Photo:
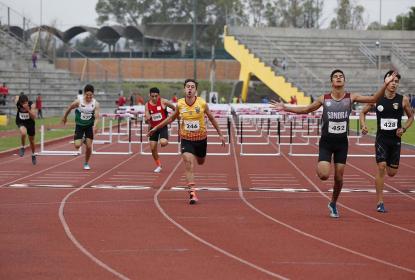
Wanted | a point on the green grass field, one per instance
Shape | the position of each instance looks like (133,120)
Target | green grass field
(408,137)
(10,142)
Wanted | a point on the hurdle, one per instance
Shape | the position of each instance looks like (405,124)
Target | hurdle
(129,151)
(292,153)
(267,142)
(142,142)
(44,152)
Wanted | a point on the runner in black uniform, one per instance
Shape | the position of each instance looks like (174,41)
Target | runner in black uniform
(333,141)
(25,121)
(389,111)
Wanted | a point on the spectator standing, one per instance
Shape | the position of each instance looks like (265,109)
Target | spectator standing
(39,106)
(80,94)
(121,100)
(139,100)
(131,100)
(284,64)
(4,91)
(174,98)
(34,60)
(275,62)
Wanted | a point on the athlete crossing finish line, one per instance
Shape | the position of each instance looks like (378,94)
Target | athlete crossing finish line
(389,111)
(191,110)
(337,106)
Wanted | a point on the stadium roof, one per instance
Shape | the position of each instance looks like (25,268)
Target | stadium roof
(111,34)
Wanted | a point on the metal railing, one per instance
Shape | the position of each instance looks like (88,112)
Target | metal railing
(401,55)
(45,44)
(312,83)
(368,53)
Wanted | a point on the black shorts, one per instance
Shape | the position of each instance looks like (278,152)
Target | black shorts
(197,148)
(388,149)
(332,146)
(159,134)
(30,127)
(80,131)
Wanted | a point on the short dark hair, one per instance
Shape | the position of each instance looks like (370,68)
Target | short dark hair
(336,71)
(190,80)
(23,98)
(89,88)
(390,72)
(154,90)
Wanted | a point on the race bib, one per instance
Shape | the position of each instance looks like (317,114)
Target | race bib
(156,117)
(337,127)
(388,124)
(24,116)
(86,116)
(191,125)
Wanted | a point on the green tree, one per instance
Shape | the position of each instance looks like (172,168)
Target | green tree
(348,16)
(403,21)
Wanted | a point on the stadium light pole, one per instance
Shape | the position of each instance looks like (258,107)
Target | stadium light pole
(194,41)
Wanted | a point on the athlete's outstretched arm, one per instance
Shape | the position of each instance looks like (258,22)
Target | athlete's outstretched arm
(169,104)
(373,98)
(215,124)
(72,106)
(300,109)
(165,122)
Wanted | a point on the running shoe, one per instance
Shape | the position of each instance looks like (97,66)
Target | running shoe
(193,197)
(381,208)
(86,166)
(333,210)
(158,169)
(21,152)
(34,161)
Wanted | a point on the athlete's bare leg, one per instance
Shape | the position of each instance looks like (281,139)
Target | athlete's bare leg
(88,150)
(380,179)
(323,170)
(338,181)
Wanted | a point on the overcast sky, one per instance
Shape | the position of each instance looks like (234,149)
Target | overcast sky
(68,13)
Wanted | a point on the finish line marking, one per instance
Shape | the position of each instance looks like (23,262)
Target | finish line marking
(184,188)
(346,190)
(280,189)
(121,187)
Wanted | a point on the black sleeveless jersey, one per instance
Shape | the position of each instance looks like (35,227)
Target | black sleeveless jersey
(22,116)
(389,114)
(335,117)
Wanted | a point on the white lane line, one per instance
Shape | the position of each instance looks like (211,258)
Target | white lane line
(386,184)
(201,240)
(268,189)
(73,238)
(241,194)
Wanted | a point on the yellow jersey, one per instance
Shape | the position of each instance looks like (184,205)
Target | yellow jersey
(192,119)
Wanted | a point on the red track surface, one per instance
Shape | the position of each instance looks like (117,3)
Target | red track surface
(90,233)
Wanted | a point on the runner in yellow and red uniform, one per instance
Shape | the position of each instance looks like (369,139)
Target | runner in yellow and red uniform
(191,110)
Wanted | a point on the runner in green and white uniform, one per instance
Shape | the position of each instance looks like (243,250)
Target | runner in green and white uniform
(86,114)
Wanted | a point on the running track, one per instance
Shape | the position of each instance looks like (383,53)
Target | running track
(81,232)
